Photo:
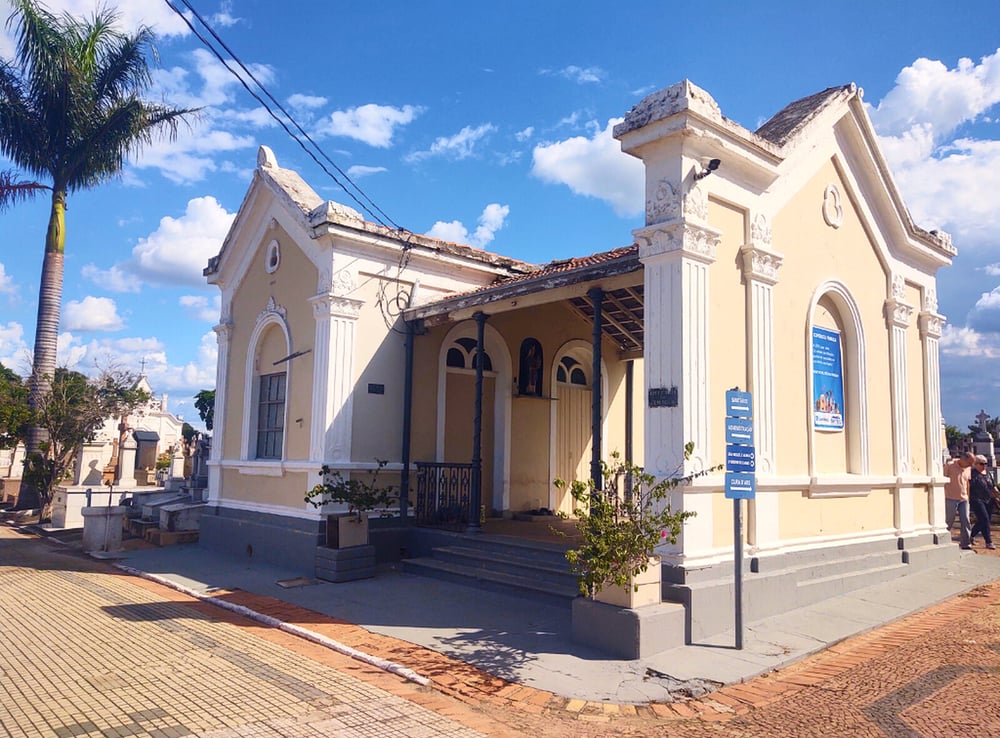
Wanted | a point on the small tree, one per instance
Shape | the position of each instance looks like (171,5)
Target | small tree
(15,414)
(360,495)
(623,523)
(204,403)
(71,414)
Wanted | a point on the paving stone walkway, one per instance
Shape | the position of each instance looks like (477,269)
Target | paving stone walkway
(89,651)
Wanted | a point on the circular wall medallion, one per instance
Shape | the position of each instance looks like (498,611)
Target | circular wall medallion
(273,257)
(833,211)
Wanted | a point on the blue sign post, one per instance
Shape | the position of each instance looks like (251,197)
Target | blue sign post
(741,482)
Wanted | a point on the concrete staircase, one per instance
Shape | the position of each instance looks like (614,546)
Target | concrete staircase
(531,569)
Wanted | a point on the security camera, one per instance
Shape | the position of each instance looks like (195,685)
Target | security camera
(708,165)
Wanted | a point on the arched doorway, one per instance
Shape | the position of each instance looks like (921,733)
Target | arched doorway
(572,390)
(457,393)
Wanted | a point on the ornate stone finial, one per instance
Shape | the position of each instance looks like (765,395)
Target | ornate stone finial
(266,158)
(662,104)
(272,308)
(833,211)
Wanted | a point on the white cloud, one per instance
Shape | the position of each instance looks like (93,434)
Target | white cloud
(491,220)
(525,134)
(7,285)
(928,93)
(359,170)
(92,314)
(949,185)
(372,124)
(460,146)
(14,353)
(583,75)
(202,308)
(225,17)
(175,253)
(594,167)
(298,101)
(577,74)
(131,14)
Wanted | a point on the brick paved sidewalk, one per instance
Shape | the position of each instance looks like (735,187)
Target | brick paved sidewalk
(944,647)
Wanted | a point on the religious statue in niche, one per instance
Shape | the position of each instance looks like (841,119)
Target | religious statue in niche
(530,374)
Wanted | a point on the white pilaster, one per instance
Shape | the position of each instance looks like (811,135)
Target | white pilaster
(897,315)
(760,272)
(333,377)
(931,324)
(676,256)
(223,335)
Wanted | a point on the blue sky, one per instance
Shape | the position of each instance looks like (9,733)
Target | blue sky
(490,124)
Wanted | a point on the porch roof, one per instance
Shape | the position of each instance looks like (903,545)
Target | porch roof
(566,280)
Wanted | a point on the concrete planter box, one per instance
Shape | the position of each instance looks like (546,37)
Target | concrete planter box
(643,590)
(102,528)
(627,633)
(344,530)
(345,564)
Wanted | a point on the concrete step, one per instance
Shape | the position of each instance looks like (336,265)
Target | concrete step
(821,588)
(160,537)
(510,562)
(535,588)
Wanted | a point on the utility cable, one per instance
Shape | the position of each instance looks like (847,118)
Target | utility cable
(374,211)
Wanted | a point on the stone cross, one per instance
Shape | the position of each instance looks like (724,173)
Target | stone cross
(982,418)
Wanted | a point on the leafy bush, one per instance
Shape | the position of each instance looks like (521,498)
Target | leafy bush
(622,524)
(360,495)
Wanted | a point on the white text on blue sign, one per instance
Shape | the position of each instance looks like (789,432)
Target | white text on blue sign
(740,486)
(741,458)
(739,404)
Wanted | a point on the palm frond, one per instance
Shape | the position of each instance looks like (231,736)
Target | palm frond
(14,190)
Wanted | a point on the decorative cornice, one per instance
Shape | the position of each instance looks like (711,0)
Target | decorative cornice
(931,324)
(898,313)
(335,306)
(760,264)
(684,239)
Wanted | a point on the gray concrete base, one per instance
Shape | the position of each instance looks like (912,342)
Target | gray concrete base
(779,583)
(625,633)
(272,539)
(345,564)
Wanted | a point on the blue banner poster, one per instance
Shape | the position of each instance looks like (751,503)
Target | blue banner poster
(828,380)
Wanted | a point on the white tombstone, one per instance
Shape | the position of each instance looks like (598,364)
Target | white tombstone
(90,464)
(127,464)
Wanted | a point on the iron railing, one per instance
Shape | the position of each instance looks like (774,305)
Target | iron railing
(444,492)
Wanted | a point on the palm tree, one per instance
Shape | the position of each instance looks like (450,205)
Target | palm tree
(71,112)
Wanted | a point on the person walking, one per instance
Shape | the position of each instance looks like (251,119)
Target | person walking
(980,496)
(956,495)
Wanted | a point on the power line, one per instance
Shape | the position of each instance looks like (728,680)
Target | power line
(371,208)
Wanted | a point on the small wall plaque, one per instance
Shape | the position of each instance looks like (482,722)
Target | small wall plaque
(376,389)
(663,397)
